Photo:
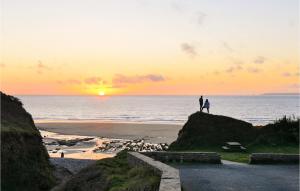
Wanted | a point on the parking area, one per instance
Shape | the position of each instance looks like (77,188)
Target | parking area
(231,176)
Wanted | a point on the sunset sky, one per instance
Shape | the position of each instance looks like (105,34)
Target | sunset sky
(149,47)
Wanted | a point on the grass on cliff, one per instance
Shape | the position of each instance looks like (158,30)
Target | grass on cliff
(114,174)
(24,159)
(243,157)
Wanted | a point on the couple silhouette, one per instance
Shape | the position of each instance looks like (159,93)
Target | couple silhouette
(206,104)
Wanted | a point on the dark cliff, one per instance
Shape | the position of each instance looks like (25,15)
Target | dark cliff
(24,160)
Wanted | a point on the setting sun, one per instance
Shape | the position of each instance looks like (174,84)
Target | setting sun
(101,93)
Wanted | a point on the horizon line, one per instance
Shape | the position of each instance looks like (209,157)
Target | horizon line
(113,95)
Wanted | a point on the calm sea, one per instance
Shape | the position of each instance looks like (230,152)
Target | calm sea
(258,110)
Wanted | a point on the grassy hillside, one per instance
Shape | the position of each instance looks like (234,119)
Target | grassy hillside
(24,159)
(113,174)
(281,132)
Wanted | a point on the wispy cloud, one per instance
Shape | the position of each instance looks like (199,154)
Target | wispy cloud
(286,74)
(177,6)
(40,67)
(216,72)
(289,74)
(294,86)
(227,46)
(122,79)
(200,17)
(259,60)
(87,81)
(253,70)
(232,69)
(73,81)
(94,80)
(70,82)
(189,49)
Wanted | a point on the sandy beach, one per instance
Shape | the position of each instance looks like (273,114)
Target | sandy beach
(154,133)
(81,150)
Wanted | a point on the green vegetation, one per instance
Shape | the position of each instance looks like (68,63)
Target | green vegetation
(114,174)
(282,131)
(243,157)
(24,160)
(207,133)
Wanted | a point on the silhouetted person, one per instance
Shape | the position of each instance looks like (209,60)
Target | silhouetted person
(201,103)
(206,105)
(62,155)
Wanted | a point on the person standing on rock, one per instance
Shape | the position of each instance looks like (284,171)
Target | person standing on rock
(206,105)
(201,103)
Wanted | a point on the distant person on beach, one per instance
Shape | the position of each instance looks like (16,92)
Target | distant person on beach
(201,103)
(206,105)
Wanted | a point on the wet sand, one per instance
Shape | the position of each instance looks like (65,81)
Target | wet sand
(154,133)
(82,150)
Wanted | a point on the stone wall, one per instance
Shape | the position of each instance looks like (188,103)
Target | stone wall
(200,157)
(273,158)
(170,180)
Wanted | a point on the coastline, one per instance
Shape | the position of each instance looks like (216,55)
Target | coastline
(154,133)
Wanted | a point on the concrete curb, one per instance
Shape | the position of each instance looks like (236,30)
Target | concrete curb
(274,158)
(170,180)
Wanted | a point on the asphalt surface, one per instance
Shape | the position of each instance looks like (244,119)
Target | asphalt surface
(231,176)
(73,165)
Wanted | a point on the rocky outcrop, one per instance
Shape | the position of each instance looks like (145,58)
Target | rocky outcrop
(204,130)
(24,160)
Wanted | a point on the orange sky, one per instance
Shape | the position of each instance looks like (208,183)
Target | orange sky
(149,48)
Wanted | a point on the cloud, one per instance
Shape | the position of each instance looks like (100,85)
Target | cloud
(253,70)
(259,60)
(2,65)
(232,69)
(238,62)
(216,72)
(88,81)
(177,6)
(227,46)
(73,81)
(189,49)
(122,79)
(115,86)
(201,17)
(40,67)
(288,74)
(70,81)
(294,86)
(94,80)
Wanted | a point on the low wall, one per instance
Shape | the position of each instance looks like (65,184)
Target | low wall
(170,180)
(200,157)
(273,158)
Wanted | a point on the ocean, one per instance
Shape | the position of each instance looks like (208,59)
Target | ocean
(258,110)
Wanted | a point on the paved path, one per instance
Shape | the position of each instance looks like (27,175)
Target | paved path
(231,176)
(73,165)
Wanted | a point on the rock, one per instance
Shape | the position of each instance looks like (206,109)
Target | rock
(204,129)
